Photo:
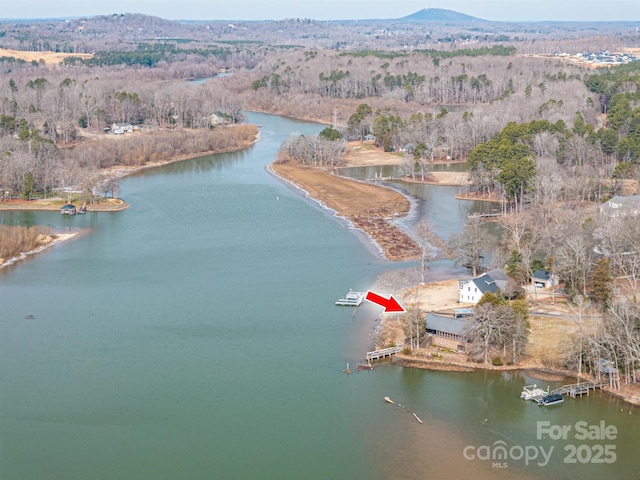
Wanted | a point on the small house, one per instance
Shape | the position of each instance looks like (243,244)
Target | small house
(215,119)
(120,128)
(544,279)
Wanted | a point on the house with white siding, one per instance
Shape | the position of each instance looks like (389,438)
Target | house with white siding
(471,291)
(620,206)
(120,128)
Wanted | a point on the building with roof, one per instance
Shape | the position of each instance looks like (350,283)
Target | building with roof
(446,330)
(620,206)
(471,291)
(544,279)
(120,128)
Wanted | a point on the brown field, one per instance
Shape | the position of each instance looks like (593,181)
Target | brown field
(49,58)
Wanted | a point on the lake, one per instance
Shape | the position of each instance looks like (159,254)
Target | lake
(195,336)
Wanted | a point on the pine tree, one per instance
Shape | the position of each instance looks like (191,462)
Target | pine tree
(601,280)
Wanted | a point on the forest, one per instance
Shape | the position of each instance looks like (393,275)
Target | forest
(548,138)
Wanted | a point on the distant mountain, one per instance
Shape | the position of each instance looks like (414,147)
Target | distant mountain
(441,15)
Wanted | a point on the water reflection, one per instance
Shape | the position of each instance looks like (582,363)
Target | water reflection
(216,162)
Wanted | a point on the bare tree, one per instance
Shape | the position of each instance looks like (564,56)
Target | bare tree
(469,246)
(573,262)
(483,332)
(423,233)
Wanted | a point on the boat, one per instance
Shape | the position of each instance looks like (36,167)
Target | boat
(552,399)
(417,418)
(388,400)
(351,299)
(364,367)
(532,392)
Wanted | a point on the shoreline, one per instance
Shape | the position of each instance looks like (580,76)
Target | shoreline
(117,172)
(627,392)
(117,204)
(367,238)
(442,296)
(56,239)
(55,203)
(366,207)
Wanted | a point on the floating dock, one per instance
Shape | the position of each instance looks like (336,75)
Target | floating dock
(533,392)
(351,299)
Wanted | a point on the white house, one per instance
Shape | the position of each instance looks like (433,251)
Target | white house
(120,128)
(620,206)
(471,291)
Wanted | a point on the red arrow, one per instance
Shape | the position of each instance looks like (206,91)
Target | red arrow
(390,305)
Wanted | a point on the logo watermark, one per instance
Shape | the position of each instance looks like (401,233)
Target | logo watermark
(583,443)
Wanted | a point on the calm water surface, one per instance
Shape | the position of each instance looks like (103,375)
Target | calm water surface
(194,336)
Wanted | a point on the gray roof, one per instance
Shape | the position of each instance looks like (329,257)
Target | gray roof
(498,275)
(485,283)
(455,326)
(620,206)
(542,275)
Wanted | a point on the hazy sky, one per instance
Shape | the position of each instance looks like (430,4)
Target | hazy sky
(504,10)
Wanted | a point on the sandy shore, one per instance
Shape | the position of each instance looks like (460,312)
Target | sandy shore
(370,208)
(364,154)
(49,242)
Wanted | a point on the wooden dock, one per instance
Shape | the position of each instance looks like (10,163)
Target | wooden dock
(578,389)
(385,352)
(486,215)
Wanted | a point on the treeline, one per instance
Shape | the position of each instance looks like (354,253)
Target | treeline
(354,78)
(326,148)
(152,147)
(598,156)
(499,50)
(110,32)
(465,100)
(58,105)
(619,95)
(15,240)
(38,114)
(148,55)
(35,167)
